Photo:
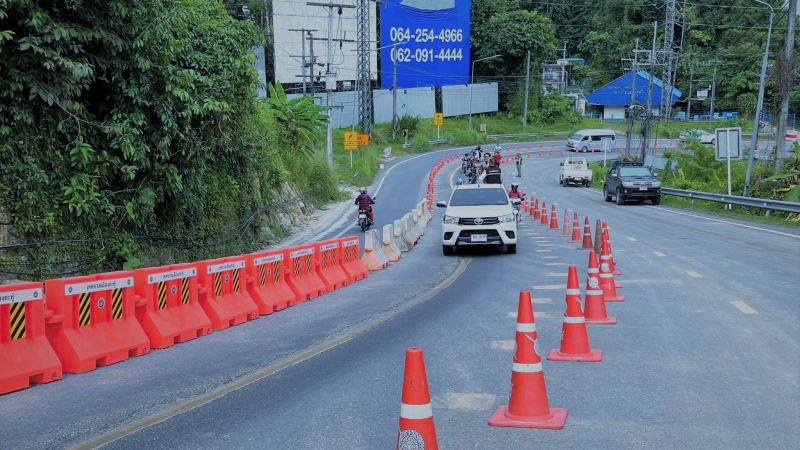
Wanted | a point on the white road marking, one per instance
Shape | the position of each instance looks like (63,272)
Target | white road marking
(472,402)
(541,300)
(556,274)
(556,264)
(502,345)
(693,274)
(659,254)
(743,307)
(542,251)
(549,286)
(549,257)
(630,238)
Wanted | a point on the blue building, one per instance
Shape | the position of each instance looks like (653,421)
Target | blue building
(615,96)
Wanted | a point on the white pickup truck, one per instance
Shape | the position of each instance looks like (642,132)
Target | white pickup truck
(575,170)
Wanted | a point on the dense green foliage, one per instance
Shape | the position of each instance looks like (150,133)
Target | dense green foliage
(129,122)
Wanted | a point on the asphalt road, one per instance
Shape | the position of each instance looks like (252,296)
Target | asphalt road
(705,355)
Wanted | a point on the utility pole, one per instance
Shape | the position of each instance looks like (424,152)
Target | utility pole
(635,73)
(713,89)
(527,85)
(304,65)
(330,81)
(364,77)
(689,98)
(666,75)
(394,91)
(649,112)
(785,80)
(563,84)
(756,123)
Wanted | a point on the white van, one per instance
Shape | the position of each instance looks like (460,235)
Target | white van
(592,139)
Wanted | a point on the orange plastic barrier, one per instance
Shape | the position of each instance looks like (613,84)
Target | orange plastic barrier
(222,292)
(94,322)
(328,259)
(167,304)
(25,355)
(303,275)
(351,259)
(266,282)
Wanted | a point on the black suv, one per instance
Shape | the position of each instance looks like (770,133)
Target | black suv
(631,180)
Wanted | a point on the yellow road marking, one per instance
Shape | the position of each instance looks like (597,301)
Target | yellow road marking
(743,307)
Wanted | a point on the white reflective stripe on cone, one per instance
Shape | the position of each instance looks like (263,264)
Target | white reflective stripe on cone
(594,270)
(598,292)
(416,411)
(606,275)
(573,292)
(527,368)
(526,327)
(568,319)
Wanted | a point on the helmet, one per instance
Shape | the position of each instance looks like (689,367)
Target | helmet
(514,185)
(459,181)
(363,190)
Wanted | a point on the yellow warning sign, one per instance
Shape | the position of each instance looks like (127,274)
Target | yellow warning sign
(438,119)
(350,140)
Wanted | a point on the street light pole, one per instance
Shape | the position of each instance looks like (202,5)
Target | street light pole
(471,81)
(759,104)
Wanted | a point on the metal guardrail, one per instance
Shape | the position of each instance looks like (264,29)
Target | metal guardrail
(440,141)
(549,133)
(769,205)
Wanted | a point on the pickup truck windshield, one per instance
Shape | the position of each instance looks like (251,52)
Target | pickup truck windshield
(475,197)
(634,172)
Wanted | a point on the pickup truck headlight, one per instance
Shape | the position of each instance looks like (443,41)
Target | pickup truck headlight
(627,184)
(452,220)
(656,184)
(508,218)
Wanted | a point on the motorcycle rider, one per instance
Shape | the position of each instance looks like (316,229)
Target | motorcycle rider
(514,192)
(364,202)
(493,173)
(459,181)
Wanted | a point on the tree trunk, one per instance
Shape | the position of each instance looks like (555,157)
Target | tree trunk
(785,76)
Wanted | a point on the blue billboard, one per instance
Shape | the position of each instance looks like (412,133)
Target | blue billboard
(431,42)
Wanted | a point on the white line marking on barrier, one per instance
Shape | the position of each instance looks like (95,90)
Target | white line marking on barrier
(693,274)
(743,307)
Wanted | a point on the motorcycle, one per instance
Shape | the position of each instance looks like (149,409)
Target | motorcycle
(515,202)
(465,163)
(364,220)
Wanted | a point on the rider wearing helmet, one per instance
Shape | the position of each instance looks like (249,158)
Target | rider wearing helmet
(514,192)
(364,201)
(459,181)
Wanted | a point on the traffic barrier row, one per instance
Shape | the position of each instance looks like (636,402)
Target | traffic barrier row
(76,324)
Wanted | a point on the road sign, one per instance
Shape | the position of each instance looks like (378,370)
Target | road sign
(728,143)
(363,140)
(438,119)
(350,140)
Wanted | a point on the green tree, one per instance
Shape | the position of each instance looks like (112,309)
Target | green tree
(304,121)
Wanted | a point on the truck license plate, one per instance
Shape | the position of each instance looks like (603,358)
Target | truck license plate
(478,238)
(642,188)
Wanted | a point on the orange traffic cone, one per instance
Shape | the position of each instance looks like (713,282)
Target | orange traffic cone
(595,309)
(532,207)
(567,232)
(598,236)
(574,338)
(587,236)
(416,415)
(607,237)
(544,220)
(553,218)
(576,229)
(536,213)
(527,404)
(607,278)
(524,206)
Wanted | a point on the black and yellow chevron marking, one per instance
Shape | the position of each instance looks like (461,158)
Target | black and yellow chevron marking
(308,263)
(17,320)
(116,304)
(236,280)
(297,267)
(276,274)
(162,295)
(185,299)
(85,309)
(262,278)
(334,259)
(218,284)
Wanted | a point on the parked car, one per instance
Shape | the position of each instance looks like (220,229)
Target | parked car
(631,180)
(699,135)
(575,169)
(479,214)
